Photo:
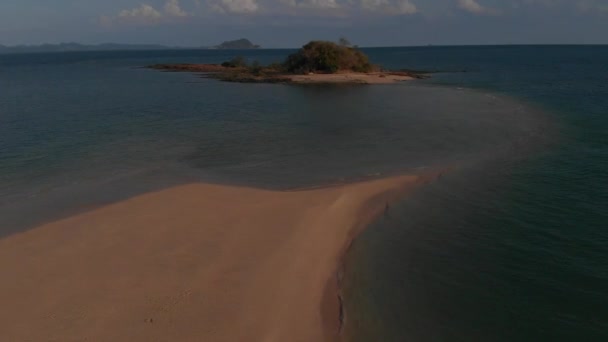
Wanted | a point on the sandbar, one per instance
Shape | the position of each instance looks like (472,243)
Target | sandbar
(197,262)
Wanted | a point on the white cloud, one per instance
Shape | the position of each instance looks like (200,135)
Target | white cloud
(473,6)
(143,12)
(145,15)
(171,11)
(406,7)
(173,8)
(319,4)
(311,4)
(388,7)
(373,4)
(234,6)
(338,8)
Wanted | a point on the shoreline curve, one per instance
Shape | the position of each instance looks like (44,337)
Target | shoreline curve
(193,262)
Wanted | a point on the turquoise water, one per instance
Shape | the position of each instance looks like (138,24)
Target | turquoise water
(510,246)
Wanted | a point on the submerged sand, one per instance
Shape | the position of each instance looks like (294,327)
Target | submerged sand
(193,263)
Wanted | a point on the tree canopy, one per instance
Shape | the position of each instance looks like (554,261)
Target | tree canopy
(327,57)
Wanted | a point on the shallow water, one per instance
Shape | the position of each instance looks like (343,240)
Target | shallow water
(78,133)
(510,246)
(510,250)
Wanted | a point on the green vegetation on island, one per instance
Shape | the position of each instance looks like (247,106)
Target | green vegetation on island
(315,62)
(327,57)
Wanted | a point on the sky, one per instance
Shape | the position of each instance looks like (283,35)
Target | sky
(290,23)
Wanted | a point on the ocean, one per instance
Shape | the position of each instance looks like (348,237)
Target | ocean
(510,245)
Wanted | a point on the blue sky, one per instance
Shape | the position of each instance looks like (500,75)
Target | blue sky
(289,23)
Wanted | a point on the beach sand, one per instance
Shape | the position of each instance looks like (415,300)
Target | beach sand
(243,75)
(196,262)
(351,77)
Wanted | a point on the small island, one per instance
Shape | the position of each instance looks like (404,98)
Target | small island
(317,62)
(239,44)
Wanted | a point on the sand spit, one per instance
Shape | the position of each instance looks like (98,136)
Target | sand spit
(192,263)
(244,75)
(351,77)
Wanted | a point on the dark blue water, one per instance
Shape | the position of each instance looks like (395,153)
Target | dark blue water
(523,256)
(512,245)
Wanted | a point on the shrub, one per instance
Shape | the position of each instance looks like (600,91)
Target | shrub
(276,67)
(255,68)
(327,57)
(236,62)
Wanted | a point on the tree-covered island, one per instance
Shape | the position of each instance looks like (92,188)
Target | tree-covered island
(315,62)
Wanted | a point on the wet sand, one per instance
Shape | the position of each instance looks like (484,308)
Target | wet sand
(351,77)
(196,262)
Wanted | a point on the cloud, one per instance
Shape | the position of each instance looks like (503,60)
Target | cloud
(234,6)
(406,7)
(172,8)
(145,15)
(387,7)
(143,12)
(472,6)
(319,4)
(171,11)
(345,8)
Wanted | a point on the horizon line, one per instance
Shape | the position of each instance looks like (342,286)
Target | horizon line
(211,47)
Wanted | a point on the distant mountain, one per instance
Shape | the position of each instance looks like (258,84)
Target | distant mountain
(65,47)
(237,44)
